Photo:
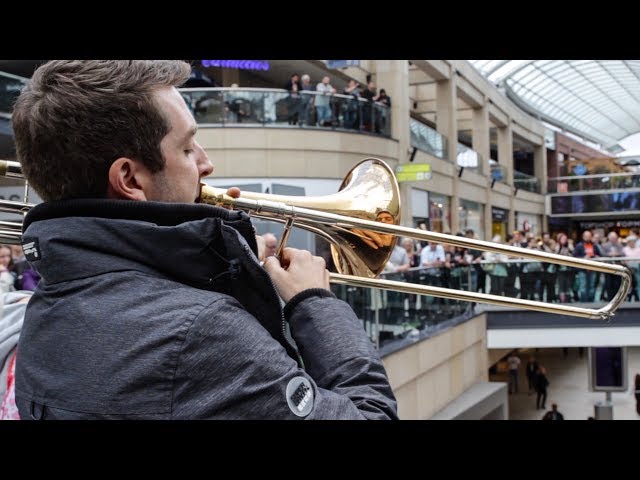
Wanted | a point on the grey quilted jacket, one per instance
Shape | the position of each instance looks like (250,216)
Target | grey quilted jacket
(149,310)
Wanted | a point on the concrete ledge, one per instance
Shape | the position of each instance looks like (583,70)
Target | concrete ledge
(610,336)
(481,401)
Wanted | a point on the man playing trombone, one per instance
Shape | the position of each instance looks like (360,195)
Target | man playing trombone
(152,306)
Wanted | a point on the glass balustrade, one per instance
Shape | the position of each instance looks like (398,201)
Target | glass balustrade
(428,140)
(622,201)
(468,158)
(390,316)
(606,181)
(240,107)
(498,172)
(522,181)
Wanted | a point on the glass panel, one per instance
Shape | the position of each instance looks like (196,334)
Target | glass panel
(594,182)
(594,97)
(308,109)
(624,201)
(394,320)
(428,140)
(471,215)
(523,181)
(468,158)
(498,172)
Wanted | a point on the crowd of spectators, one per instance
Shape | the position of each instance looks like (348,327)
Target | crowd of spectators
(498,274)
(305,103)
(320,106)
(443,265)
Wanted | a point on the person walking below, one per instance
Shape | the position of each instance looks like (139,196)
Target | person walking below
(553,414)
(541,388)
(514,364)
(531,370)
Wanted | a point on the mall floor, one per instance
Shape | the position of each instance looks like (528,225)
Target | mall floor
(569,387)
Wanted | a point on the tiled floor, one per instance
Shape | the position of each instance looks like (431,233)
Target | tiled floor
(569,387)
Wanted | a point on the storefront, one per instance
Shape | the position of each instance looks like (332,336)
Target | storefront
(471,215)
(499,222)
(603,227)
(439,213)
(528,222)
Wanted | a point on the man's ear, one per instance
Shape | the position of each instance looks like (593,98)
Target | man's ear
(128,180)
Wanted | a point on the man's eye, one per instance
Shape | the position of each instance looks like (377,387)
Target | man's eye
(189,152)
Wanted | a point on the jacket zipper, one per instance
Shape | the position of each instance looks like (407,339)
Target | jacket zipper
(283,323)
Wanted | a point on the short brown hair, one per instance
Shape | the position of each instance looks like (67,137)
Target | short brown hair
(76,117)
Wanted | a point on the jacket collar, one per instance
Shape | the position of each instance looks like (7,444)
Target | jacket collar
(186,242)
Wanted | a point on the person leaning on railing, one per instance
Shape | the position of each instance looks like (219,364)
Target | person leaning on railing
(496,269)
(565,274)
(632,249)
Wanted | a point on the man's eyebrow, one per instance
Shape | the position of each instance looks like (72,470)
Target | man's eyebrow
(190,133)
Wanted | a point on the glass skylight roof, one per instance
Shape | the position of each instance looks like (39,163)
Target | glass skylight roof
(596,99)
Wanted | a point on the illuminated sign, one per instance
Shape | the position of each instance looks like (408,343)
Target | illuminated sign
(239,64)
(413,172)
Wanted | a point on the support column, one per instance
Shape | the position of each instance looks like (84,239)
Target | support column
(540,166)
(481,142)
(505,158)
(446,124)
(393,76)
(540,171)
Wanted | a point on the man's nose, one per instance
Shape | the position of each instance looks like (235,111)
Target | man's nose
(205,167)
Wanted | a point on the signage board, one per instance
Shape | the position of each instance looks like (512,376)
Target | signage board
(413,172)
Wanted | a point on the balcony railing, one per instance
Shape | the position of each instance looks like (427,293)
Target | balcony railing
(602,181)
(468,158)
(625,201)
(394,319)
(389,315)
(522,181)
(276,107)
(428,140)
(498,172)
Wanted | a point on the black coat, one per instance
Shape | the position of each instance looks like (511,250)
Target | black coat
(541,382)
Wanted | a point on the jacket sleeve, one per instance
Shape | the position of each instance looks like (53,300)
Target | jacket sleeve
(338,354)
(231,368)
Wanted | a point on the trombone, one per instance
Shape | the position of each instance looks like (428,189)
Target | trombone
(361,223)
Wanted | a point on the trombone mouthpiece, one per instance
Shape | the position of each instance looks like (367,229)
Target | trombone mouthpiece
(215,196)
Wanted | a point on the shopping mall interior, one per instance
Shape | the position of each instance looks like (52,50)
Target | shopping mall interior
(527,154)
